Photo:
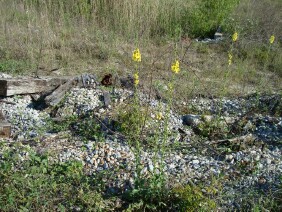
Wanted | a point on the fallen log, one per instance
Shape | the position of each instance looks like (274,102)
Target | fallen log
(238,143)
(1,116)
(57,95)
(15,86)
(249,138)
(85,80)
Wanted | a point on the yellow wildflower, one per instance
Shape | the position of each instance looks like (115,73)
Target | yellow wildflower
(271,39)
(136,79)
(175,67)
(136,55)
(159,116)
(229,58)
(235,37)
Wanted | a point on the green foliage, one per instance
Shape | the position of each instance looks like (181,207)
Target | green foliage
(191,198)
(208,15)
(213,129)
(36,185)
(59,126)
(165,17)
(131,119)
(153,195)
(148,194)
(88,127)
(257,201)
(14,67)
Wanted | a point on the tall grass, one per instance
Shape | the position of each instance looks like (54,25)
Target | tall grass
(128,17)
(95,35)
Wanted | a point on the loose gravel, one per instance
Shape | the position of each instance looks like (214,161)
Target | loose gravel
(186,159)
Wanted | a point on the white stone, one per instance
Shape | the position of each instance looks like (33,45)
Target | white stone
(194,162)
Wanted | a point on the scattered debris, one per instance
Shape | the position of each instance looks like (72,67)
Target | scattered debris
(5,127)
(107,80)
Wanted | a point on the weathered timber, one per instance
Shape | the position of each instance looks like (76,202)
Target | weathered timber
(245,138)
(7,102)
(1,115)
(85,80)
(5,129)
(107,98)
(55,97)
(238,143)
(15,86)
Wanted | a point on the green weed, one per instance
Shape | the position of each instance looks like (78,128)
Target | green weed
(14,67)
(35,185)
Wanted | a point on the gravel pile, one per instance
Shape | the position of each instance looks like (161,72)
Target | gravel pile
(254,166)
(27,122)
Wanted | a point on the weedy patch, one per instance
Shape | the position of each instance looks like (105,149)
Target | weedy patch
(60,37)
(34,184)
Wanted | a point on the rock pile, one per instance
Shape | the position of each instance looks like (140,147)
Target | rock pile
(189,157)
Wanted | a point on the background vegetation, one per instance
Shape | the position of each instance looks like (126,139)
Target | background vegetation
(70,37)
(98,36)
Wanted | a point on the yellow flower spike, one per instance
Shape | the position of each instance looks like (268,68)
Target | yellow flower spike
(271,39)
(175,67)
(170,86)
(235,37)
(136,76)
(136,55)
(159,116)
(136,79)
(229,58)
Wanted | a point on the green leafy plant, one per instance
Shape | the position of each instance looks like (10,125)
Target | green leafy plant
(14,67)
(191,198)
(35,184)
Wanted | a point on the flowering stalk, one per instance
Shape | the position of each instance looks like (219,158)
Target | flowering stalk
(235,37)
(229,58)
(271,42)
(271,39)
(136,79)
(136,57)
(175,67)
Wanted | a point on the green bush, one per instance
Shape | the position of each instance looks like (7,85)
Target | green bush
(207,16)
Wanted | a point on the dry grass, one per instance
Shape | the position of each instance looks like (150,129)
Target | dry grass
(56,38)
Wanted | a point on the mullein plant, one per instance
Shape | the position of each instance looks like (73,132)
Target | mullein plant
(230,58)
(161,135)
(175,68)
(136,122)
(267,61)
(230,53)
(270,45)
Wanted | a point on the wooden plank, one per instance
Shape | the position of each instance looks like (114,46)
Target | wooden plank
(1,115)
(15,86)
(5,129)
(55,97)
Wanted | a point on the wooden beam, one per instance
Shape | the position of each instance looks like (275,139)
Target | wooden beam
(56,96)
(15,86)
(1,115)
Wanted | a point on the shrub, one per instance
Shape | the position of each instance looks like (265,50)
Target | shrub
(207,16)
